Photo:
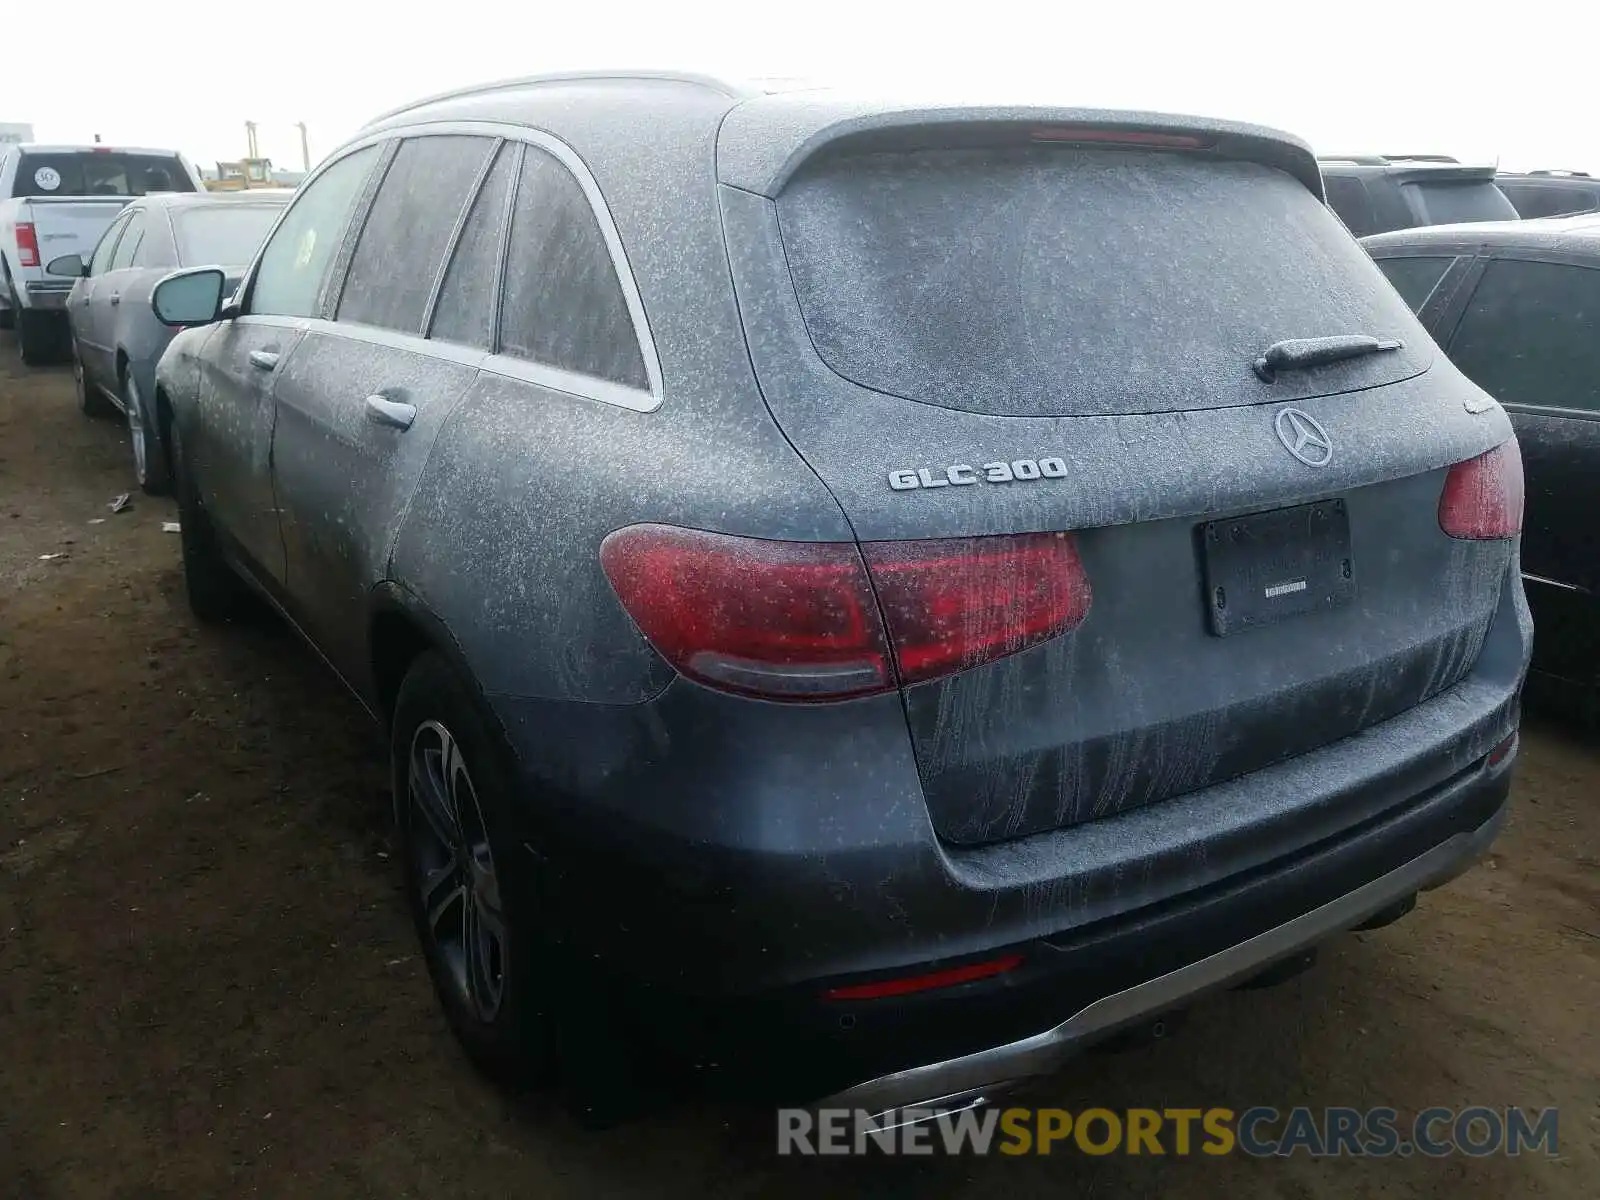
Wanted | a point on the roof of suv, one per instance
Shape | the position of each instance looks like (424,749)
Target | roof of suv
(1580,232)
(765,129)
(1407,170)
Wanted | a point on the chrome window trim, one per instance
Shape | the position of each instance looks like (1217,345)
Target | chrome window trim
(570,382)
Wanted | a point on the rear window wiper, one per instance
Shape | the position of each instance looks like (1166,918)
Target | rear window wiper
(1296,354)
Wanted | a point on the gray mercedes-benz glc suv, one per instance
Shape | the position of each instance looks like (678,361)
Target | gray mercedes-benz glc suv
(885,595)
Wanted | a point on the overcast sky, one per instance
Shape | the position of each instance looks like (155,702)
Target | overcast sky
(1355,75)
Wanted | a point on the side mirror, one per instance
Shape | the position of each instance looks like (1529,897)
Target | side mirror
(187,298)
(71,266)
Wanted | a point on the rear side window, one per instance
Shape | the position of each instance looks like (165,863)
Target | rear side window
(402,246)
(465,312)
(1347,196)
(1449,203)
(129,245)
(1047,281)
(101,262)
(1415,278)
(563,304)
(226,235)
(288,282)
(100,173)
(1527,336)
(1536,199)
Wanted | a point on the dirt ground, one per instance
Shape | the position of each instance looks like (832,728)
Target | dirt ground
(208,985)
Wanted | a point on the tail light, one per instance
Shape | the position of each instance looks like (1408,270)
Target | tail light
(27,244)
(954,604)
(1120,137)
(1483,497)
(802,620)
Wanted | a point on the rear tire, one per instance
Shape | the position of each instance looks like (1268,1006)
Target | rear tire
(90,402)
(468,878)
(35,334)
(144,437)
(215,591)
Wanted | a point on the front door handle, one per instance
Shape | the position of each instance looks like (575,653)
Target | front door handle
(383,411)
(263,360)
(116,299)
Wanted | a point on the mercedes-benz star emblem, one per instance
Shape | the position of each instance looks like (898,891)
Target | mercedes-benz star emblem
(1304,437)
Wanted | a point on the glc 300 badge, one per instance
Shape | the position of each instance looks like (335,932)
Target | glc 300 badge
(962,474)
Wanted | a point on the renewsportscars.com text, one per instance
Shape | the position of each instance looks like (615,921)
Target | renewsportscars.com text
(1476,1131)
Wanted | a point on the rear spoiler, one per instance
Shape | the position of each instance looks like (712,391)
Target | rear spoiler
(765,140)
(1441,173)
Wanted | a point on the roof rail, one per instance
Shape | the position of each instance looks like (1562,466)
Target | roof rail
(1444,158)
(731,90)
(1559,173)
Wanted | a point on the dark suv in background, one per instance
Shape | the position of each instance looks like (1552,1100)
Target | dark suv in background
(1550,193)
(1517,306)
(1378,193)
(880,597)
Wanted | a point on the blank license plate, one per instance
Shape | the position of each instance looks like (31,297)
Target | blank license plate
(1272,565)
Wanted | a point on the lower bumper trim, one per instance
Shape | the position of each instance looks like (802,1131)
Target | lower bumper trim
(933,1085)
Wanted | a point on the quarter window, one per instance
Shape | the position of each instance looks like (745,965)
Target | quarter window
(295,262)
(563,304)
(407,232)
(1528,338)
(101,261)
(465,312)
(1415,278)
(129,245)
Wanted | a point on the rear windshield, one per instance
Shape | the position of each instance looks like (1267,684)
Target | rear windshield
(1449,203)
(1058,281)
(96,173)
(228,236)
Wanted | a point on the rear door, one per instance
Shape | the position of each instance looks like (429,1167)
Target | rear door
(1527,336)
(1055,333)
(86,315)
(107,303)
(362,399)
(230,446)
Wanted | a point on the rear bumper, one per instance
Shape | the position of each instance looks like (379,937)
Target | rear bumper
(731,861)
(47,296)
(972,1078)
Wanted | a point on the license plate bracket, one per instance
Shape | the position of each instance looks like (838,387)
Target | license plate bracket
(1270,566)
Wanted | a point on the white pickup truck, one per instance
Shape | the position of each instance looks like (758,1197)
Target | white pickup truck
(58,200)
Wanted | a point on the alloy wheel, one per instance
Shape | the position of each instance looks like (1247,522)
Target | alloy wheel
(454,870)
(135,414)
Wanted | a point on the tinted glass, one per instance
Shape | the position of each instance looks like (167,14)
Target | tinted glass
(289,280)
(1348,197)
(107,246)
(228,236)
(563,304)
(123,258)
(1550,199)
(1058,281)
(1528,336)
(93,173)
(465,312)
(403,244)
(1447,203)
(1415,278)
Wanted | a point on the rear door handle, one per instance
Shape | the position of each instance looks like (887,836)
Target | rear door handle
(383,411)
(263,360)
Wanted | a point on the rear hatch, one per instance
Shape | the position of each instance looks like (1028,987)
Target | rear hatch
(1003,326)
